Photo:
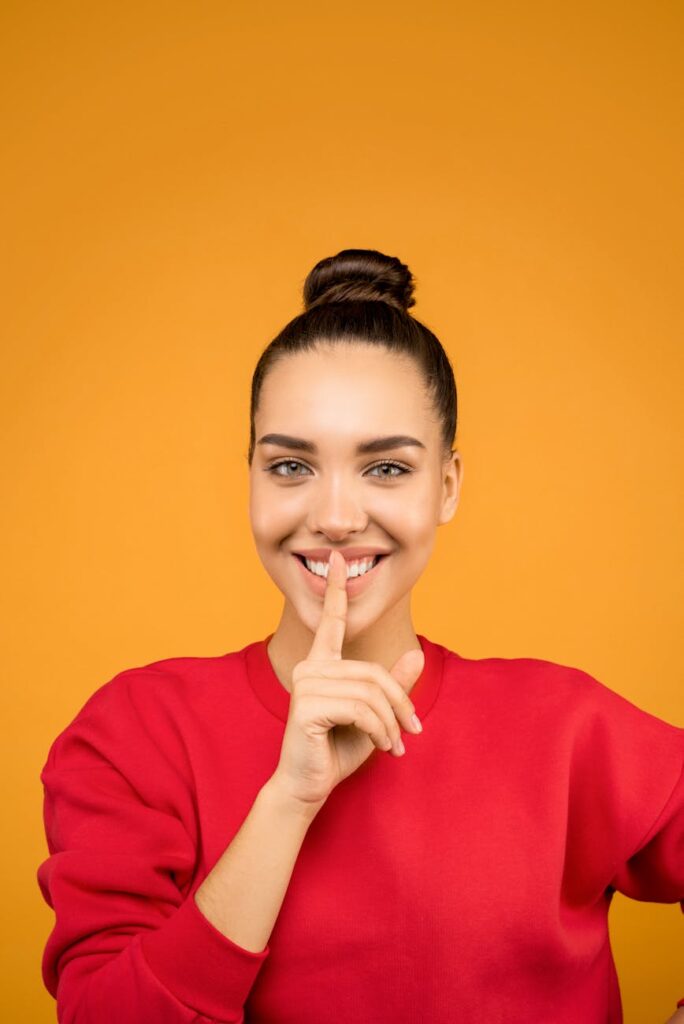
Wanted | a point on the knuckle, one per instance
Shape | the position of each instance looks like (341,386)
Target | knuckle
(297,684)
(300,670)
(370,690)
(300,698)
(299,689)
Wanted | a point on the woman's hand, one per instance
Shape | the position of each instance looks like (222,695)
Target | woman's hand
(340,711)
(677,1017)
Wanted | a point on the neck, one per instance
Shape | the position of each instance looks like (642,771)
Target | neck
(383,642)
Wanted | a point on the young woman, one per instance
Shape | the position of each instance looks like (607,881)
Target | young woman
(344,820)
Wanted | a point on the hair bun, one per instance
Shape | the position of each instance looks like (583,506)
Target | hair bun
(360,275)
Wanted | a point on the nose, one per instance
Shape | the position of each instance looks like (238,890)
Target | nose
(335,510)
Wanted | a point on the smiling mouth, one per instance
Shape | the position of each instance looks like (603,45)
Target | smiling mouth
(376,561)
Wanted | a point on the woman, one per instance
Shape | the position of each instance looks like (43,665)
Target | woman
(228,841)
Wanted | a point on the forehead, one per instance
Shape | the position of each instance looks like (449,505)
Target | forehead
(345,389)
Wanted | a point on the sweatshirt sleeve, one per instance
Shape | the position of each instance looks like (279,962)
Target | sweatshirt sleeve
(628,797)
(655,871)
(129,941)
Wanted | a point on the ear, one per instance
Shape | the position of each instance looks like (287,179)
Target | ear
(452,478)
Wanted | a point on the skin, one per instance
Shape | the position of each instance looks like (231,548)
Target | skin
(337,396)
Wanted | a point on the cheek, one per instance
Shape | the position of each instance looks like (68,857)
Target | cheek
(257,512)
(413,520)
(272,514)
(263,516)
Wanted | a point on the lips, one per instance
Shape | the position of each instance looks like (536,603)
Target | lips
(355,585)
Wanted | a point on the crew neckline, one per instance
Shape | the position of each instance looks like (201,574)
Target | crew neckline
(273,695)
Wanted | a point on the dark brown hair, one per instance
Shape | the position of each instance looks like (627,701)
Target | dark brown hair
(363,296)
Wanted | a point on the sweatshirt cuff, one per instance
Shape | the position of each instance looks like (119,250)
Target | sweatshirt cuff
(200,965)
(681,1002)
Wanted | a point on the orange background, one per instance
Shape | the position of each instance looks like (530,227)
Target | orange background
(171,172)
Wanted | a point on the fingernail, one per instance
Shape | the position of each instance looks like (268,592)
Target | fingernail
(415,721)
(399,747)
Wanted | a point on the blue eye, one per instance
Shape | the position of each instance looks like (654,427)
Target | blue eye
(379,465)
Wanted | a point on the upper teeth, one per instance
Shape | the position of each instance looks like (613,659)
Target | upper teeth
(353,568)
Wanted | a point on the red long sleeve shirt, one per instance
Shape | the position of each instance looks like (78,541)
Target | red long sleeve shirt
(469,880)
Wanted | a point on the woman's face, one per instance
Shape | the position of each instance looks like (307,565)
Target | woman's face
(337,398)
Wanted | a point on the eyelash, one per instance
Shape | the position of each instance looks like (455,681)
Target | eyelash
(387,462)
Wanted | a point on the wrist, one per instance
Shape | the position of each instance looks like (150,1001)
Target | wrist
(278,794)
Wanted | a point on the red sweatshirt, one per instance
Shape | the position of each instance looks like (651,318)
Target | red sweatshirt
(469,880)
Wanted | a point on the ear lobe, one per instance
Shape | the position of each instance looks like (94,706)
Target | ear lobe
(449,511)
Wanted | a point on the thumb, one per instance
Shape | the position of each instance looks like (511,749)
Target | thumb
(408,667)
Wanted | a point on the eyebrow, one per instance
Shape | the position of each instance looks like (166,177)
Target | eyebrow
(376,444)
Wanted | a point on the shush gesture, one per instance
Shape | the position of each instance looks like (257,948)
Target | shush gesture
(341,710)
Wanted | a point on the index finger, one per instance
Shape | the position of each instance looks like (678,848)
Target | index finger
(327,644)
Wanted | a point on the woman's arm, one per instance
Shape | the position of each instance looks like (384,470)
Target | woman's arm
(130,941)
(243,893)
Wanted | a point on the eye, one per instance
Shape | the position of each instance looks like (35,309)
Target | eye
(379,465)
(284,462)
(392,465)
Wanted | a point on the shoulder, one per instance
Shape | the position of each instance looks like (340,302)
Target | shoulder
(521,676)
(560,689)
(142,703)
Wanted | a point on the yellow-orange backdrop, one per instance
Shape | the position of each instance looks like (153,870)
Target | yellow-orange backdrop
(171,172)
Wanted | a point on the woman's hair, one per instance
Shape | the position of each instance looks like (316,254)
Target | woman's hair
(363,296)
